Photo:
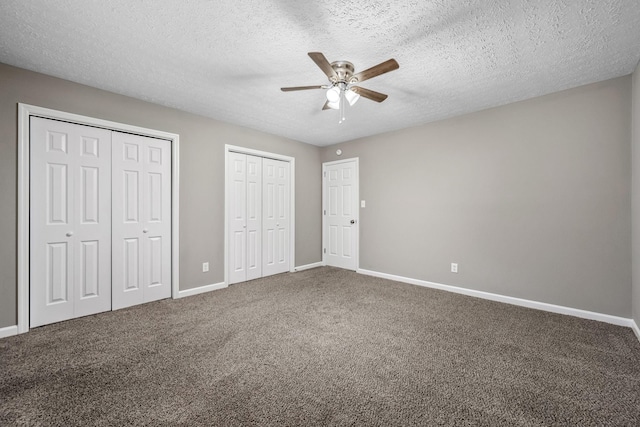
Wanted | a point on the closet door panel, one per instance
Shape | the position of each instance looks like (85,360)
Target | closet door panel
(254,217)
(237,212)
(141,219)
(156,210)
(127,220)
(276,223)
(93,250)
(258,216)
(70,221)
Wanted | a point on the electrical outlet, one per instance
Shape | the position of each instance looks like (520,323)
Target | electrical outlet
(205,267)
(454,267)
(362,203)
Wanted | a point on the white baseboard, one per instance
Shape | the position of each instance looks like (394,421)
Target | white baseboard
(201,289)
(591,315)
(309,266)
(8,331)
(635,328)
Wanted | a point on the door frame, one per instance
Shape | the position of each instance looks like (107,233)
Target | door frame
(324,204)
(227,197)
(25,111)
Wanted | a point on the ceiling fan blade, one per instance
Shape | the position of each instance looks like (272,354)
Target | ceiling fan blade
(290,89)
(370,94)
(326,106)
(376,70)
(324,65)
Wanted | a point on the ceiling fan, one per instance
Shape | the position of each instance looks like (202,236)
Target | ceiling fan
(342,82)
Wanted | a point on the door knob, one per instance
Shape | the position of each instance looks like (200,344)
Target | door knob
(70,233)
(353,221)
(146,230)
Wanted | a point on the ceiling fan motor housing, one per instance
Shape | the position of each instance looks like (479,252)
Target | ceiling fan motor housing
(344,70)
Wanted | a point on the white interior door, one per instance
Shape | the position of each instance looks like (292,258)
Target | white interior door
(340,214)
(70,221)
(141,219)
(276,223)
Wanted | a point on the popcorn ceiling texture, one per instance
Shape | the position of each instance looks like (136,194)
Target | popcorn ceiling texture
(227,59)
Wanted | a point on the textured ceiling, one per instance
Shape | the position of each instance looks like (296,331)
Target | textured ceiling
(227,59)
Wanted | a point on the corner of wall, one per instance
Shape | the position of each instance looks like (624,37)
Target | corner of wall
(635,194)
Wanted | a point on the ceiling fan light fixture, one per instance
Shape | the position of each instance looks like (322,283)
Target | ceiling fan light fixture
(351,96)
(333,95)
(341,77)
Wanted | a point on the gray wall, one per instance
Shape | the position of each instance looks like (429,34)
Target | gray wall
(531,199)
(201,173)
(636,194)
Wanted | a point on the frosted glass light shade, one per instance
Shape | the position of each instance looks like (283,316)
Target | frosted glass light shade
(334,105)
(351,96)
(333,94)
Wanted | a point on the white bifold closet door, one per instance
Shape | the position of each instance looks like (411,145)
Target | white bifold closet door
(100,220)
(258,217)
(70,221)
(141,219)
(245,212)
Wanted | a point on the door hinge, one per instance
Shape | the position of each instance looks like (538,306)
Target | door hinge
(324,174)
(325,250)
(325,212)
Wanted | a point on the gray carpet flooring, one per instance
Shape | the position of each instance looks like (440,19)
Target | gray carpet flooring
(322,347)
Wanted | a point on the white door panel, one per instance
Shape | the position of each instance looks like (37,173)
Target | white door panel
(258,216)
(275,202)
(245,173)
(156,209)
(141,219)
(254,217)
(70,221)
(127,221)
(237,175)
(340,214)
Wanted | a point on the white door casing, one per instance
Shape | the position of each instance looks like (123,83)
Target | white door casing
(141,219)
(340,229)
(70,221)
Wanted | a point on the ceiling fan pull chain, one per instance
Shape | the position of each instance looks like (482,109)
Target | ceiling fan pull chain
(342,107)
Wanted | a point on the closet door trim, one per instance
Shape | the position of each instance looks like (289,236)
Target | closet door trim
(227,196)
(25,111)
